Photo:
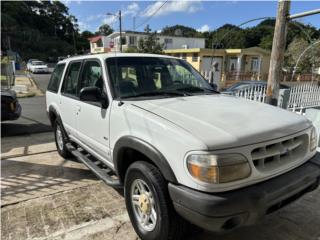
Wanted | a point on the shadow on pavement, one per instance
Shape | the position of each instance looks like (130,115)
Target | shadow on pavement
(22,180)
(31,126)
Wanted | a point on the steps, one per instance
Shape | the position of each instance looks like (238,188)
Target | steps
(96,166)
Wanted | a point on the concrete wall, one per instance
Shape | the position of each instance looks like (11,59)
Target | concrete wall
(177,42)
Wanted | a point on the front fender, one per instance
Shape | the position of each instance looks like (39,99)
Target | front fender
(145,148)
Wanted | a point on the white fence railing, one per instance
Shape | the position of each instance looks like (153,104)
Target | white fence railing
(297,98)
(254,92)
(304,95)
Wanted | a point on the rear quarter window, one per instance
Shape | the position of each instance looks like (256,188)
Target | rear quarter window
(56,78)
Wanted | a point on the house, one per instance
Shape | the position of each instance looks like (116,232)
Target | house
(227,65)
(111,43)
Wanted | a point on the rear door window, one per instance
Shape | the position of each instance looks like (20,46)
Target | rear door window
(56,78)
(70,84)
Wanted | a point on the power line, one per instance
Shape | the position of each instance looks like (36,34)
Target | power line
(148,19)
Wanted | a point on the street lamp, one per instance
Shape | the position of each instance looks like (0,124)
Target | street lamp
(120,27)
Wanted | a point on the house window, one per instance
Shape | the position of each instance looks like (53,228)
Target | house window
(132,40)
(254,64)
(168,40)
(195,57)
(184,56)
(123,40)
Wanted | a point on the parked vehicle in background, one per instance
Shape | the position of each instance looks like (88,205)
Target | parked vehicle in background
(38,67)
(10,107)
(154,126)
(29,63)
(247,84)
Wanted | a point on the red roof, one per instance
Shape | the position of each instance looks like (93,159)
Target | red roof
(94,39)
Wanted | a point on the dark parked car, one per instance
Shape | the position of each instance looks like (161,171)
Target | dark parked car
(10,107)
(246,84)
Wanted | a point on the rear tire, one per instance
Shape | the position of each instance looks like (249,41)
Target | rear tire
(152,203)
(61,140)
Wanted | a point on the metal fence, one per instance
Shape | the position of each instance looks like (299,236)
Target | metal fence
(305,95)
(254,92)
(297,98)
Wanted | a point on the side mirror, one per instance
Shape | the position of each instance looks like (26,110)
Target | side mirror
(93,94)
(214,86)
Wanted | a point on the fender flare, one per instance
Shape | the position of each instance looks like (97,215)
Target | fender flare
(57,118)
(154,155)
(52,110)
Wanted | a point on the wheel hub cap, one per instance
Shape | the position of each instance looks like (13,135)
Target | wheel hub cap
(144,203)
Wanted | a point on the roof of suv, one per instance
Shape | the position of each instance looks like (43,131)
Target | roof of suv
(108,55)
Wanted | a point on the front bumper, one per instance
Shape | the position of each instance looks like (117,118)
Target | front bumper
(219,212)
(40,70)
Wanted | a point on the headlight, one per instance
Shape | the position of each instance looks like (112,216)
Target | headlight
(313,139)
(220,168)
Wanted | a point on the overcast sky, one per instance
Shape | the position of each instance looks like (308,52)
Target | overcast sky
(201,15)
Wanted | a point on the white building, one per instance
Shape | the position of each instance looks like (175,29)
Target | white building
(111,43)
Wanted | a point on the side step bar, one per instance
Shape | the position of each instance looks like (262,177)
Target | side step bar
(101,173)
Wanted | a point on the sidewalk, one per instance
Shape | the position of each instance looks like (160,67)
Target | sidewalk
(25,86)
(47,197)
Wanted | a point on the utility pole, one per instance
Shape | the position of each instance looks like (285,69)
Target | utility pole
(120,27)
(120,31)
(277,54)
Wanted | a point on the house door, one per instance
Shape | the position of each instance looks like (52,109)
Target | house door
(212,64)
(233,64)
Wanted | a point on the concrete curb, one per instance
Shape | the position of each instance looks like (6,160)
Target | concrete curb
(30,86)
(34,82)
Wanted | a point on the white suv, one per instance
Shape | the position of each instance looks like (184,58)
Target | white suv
(181,150)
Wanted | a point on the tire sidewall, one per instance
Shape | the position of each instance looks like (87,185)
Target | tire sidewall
(63,152)
(161,229)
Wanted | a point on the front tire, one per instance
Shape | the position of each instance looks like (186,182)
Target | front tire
(149,206)
(61,140)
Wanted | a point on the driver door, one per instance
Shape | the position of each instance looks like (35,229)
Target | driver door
(92,119)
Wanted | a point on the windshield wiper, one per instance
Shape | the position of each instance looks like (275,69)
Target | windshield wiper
(157,93)
(195,89)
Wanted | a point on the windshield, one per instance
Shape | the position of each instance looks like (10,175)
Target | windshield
(133,77)
(38,63)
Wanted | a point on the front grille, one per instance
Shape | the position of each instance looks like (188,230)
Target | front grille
(275,155)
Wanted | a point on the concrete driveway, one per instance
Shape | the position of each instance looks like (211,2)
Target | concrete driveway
(47,197)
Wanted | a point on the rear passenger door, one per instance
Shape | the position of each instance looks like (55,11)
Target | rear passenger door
(69,98)
(52,97)
(92,119)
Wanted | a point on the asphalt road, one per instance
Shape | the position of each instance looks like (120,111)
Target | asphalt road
(42,80)
(33,117)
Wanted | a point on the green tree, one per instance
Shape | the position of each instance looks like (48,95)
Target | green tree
(180,30)
(105,30)
(39,29)
(295,51)
(150,44)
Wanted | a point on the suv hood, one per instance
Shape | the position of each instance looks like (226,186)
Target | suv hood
(221,121)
